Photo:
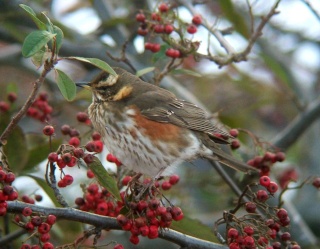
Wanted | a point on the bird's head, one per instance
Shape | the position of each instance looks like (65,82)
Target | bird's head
(109,87)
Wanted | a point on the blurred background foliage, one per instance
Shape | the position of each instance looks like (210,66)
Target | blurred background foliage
(263,94)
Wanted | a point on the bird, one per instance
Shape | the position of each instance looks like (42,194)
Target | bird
(151,131)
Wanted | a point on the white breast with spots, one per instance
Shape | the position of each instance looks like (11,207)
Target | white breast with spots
(138,152)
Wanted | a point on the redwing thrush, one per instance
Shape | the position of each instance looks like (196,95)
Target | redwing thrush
(149,129)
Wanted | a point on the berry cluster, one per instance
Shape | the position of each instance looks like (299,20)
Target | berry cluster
(258,229)
(99,201)
(40,109)
(265,162)
(162,23)
(69,155)
(43,225)
(5,106)
(7,192)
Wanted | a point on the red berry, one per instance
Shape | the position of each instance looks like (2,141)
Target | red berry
(67,179)
(25,246)
(140,17)
(235,144)
(282,213)
(153,232)
(197,20)
(173,53)
(155,47)
(159,28)
(47,245)
(269,157)
(134,239)
(26,211)
(174,179)
(90,146)
(90,174)
(126,180)
(118,246)
(280,156)
(122,220)
(3,175)
(102,208)
(250,207)
(12,97)
(168,29)
(234,132)
(29,226)
(166,185)
(53,157)
(262,195)
(155,17)
(44,228)
(36,220)
(316,182)
(273,187)
(192,29)
(4,106)
(65,129)
(44,237)
(98,146)
(51,219)
(276,245)
(232,233)
(263,241)
(74,141)
(10,177)
(248,230)
(153,204)
(74,133)
(48,130)
(96,136)
(148,46)
(285,236)
(248,242)
(163,7)
(234,245)
(82,117)
(88,158)
(142,31)
(176,213)
(62,184)
(265,181)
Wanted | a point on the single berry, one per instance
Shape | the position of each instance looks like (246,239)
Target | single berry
(90,174)
(159,28)
(265,181)
(285,236)
(118,246)
(273,187)
(74,133)
(192,29)
(163,7)
(176,213)
(316,182)
(166,185)
(90,146)
(98,146)
(262,195)
(280,156)
(51,219)
(44,228)
(74,141)
(250,207)
(53,157)
(4,106)
(12,97)
(142,31)
(248,230)
(235,144)
(25,246)
(48,130)
(66,157)
(67,179)
(26,211)
(174,179)
(140,17)
(45,237)
(96,136)
(197,20)
(232,233)
(65,129)
(36,220)
(78,152)
(88,158)
(47,245)
(82,117)
(126,180)
(155,17)
(234,132)
(10,177)
(168,29)
(155,47)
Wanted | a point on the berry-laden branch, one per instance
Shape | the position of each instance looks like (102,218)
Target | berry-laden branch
(103,222)
(232,55)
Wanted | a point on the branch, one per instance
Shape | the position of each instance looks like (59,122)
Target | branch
(104,222)
(298,126)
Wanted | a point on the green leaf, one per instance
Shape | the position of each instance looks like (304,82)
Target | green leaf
(234,17)
(161,54)
(43,184)
(66,85)
(39,153)
(59,37)
(35,41)
(185,71)
(104,178)
(96,62)
(33,16)
(39,58)
(144,71)
(194,228)
(49,23)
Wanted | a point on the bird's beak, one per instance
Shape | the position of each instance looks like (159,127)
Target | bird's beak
(85,85)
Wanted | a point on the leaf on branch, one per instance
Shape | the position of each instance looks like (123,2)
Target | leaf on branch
(144,71)
(96,62)
(33,16)
(66,85)
(185,71)
(49,24)
(59,37)
(35,41)
(194,228)
(40,57)
(104,178)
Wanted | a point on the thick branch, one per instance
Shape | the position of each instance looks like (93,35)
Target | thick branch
(298,126)
(104,222)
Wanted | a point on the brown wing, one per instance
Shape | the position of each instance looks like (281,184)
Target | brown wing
(163,106)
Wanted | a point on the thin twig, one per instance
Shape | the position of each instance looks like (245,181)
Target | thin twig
(313,10)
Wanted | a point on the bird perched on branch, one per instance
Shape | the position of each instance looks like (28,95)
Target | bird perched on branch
(149,129)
